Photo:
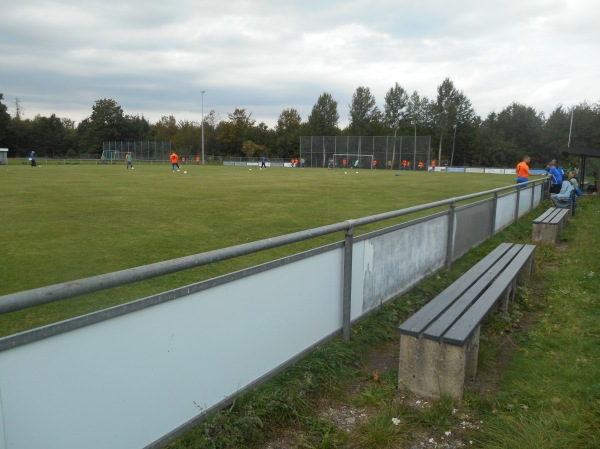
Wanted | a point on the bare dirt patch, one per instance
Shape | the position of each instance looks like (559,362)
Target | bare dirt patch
(384,358)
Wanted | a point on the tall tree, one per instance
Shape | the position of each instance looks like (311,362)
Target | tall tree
(5,123)
(166,129)
(107,123)
(523,127)
(364,113)
(420,110)
(396,105)
(232,134)
(263,136)
(586,125)
(137,128)
(211,122)
(18,109)
(494,149)
(287,131)
(556,129)
(324,117)
(188,139)
(451,108)
(51,137)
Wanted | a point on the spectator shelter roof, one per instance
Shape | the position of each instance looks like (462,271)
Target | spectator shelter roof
(584,153)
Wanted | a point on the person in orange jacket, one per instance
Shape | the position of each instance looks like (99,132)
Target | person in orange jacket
(174,161)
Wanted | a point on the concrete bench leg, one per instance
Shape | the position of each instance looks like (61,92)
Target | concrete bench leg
(419,365)
(430,368)
(472,354)
(526,272)
(457,363)
(505,300)
(513,291)
(544,232)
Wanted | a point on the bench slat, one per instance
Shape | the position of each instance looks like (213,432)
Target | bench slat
(417,323)
(559,216)
(552,216)
(545,215)
(462,329)
(437,329)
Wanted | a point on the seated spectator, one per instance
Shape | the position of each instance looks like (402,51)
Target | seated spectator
(575,182)
(563,198)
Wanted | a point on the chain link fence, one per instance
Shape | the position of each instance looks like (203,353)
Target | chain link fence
(390,152)
(140,150)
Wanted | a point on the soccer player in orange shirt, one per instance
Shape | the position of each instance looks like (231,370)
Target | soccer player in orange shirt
(174,161)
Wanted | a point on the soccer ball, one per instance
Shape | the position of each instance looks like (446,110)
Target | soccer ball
(345,172)
(185,172)
(249,169)
(178,170)
(357,173)
(133,168)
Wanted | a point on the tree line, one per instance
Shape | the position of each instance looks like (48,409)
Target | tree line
(458,133)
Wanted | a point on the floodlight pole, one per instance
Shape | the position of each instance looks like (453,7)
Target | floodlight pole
(415,146)
(394,147)
(202,125)
(453,141)
(570,128)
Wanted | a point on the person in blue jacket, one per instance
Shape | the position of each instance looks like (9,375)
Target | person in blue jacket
(555,177)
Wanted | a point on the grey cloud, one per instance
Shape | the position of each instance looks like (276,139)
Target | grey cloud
(266,56)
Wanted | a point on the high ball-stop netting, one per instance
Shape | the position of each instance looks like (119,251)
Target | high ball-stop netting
(381,152)
(145,150)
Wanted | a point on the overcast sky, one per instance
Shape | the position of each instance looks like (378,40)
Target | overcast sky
(155,57)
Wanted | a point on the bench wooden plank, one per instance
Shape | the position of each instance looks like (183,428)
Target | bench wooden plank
(559,216)
(552,216)
(417,323)
(544,216)
(464,327)
(437,329)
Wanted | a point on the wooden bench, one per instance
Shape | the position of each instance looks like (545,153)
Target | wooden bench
(439,344)
(547,226)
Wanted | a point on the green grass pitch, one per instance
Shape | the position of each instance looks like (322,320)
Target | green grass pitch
(66,222)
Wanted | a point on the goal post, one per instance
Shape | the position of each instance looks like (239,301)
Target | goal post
(353,160)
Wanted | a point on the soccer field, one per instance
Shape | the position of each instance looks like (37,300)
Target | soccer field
(66,222)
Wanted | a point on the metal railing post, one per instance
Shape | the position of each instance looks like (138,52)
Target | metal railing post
(347,287)
(450,243)
(494,212)
(517,205)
